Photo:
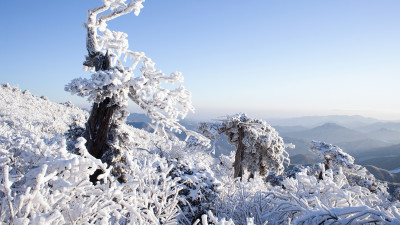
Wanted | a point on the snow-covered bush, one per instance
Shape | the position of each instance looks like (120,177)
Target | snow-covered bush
(260,149)
(307,197)
(243,200)
(62,193)
(198,188)
(304,199)
(342,163)
(309,200)
(41,182)
(333,155)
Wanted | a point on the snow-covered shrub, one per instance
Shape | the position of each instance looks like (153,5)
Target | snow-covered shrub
(197,171)
(260,149)
(41,182)
(305,199)
(333,155)
(62,193)
(340,162)
(198,189)
(311,195)
(309,200)
(243,200)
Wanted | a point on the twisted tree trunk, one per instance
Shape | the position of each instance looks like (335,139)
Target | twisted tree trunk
(98,128)
(238,164)
(100,121)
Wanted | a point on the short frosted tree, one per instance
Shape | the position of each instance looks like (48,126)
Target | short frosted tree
(260,149)
(342,163)
(333,155)
(112,83)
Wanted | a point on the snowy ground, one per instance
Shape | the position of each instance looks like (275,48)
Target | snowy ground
(168,181)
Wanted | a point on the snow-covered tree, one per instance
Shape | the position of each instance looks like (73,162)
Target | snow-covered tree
(112,83)
(259,147)
(333,155)
(339,162)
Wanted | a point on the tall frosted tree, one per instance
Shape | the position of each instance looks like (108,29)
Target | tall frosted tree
(113,82)
(260,149)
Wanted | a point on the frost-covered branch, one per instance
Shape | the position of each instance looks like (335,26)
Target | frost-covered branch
(95,21)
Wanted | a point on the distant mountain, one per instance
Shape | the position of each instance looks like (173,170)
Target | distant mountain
(385,134)
(382,174)
(394,126)
(304,159)
(282,130)
(389,151)
(301,146)
(222,146)
(142,125)
(330,133)
(313,121)
(387,158)
(138,117)
(360,146)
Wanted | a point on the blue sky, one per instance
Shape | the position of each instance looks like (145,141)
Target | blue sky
(270,58)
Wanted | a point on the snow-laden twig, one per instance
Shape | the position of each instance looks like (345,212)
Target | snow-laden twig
(6,186)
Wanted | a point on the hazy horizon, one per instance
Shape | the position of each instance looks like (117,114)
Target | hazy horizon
(211,114)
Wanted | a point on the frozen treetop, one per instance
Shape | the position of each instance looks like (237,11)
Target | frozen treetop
(332,154)
(263,146)
(119,82)
(259,131)
(97,19)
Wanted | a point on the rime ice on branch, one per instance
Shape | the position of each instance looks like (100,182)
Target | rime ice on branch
(259,147)
(112,83)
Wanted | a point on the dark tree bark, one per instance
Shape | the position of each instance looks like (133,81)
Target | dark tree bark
(100,121)
(238,164)
(98,128)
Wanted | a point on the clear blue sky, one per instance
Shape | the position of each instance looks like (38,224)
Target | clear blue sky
(271,58)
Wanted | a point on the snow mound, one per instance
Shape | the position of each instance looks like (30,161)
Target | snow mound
(25,113)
